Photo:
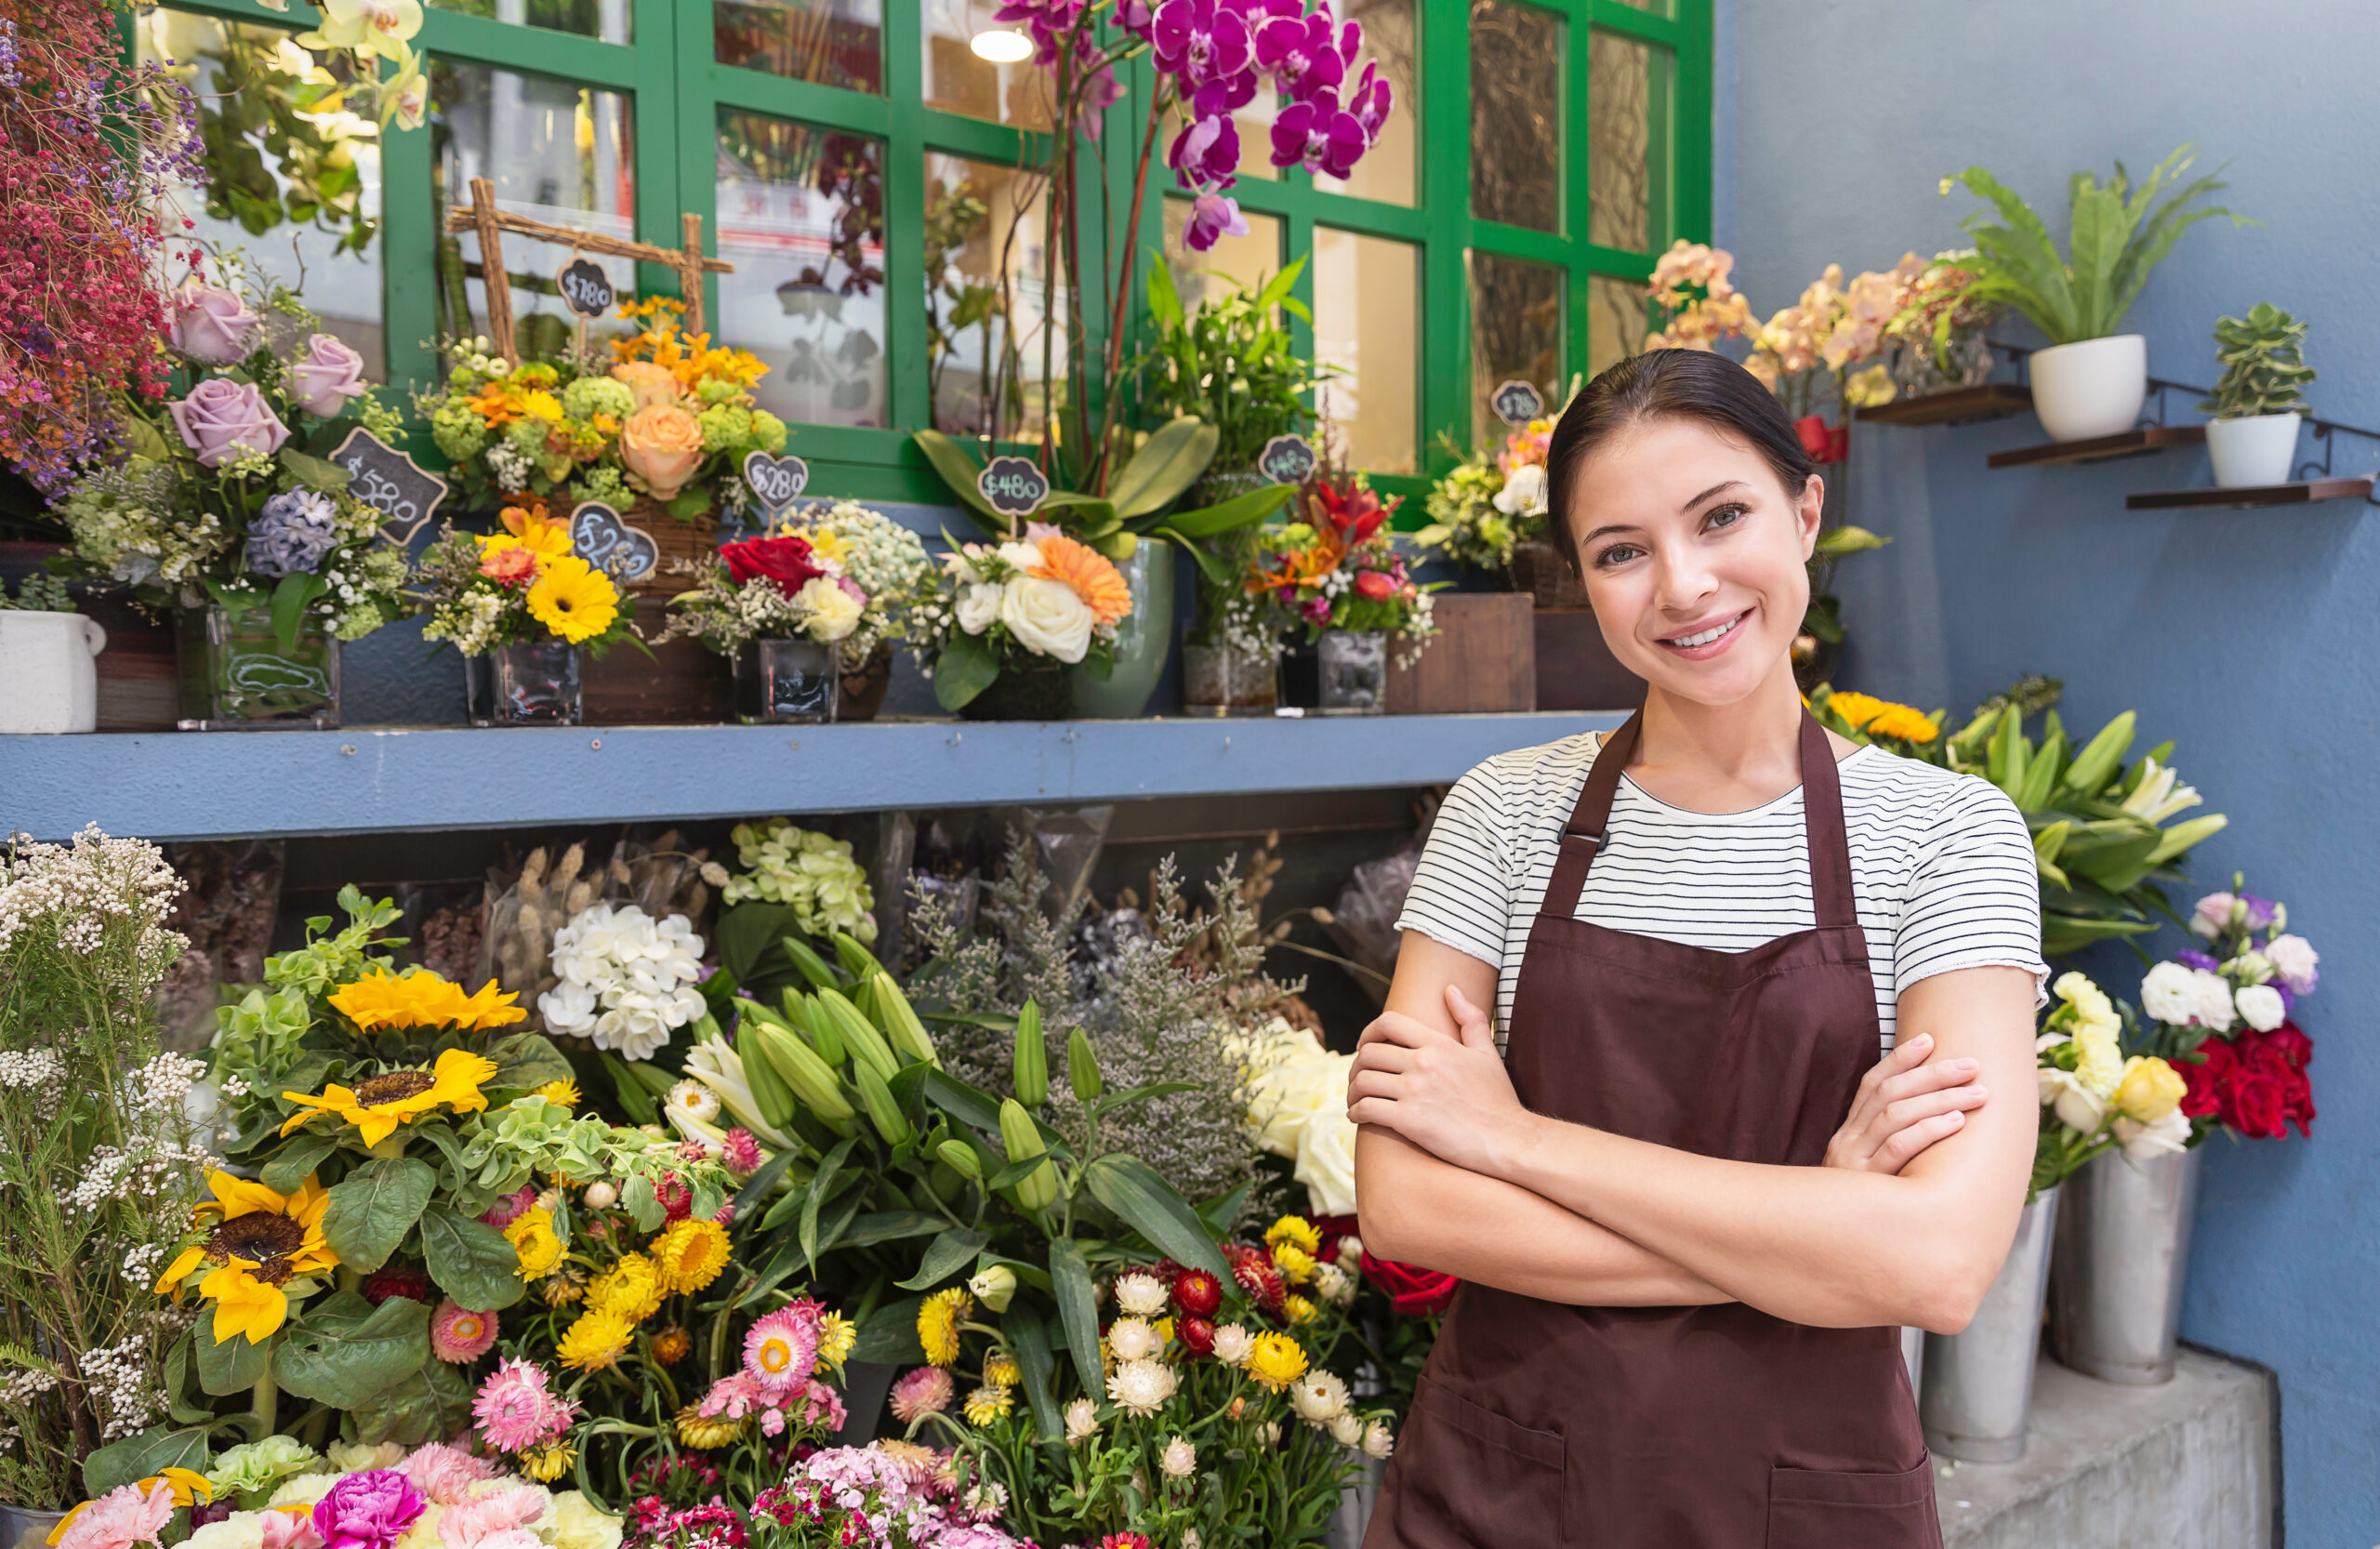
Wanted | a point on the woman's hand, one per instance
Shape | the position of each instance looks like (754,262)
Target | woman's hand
(1450,1096)
(1903,1107)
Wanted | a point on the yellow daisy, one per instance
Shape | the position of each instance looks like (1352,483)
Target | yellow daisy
(595,1341)
(561,1094)
(836,1334)
(1277,1361)
(378,1106)
(573,600)
(689,1255)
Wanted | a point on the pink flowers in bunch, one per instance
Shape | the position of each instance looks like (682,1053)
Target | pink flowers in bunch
(776,1381)
(124,1515)
(370,1510)
(517,1408)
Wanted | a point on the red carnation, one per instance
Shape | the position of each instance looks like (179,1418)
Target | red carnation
(1413,1290)
(1253,1269)
(381,1284)
(1197,1334)
(786,561)
(1197,1293)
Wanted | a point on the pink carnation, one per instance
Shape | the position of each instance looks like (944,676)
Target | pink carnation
(458,1334)
(446,1474)
(920,1393)
(741,1151)
(291,1527)
(124,1515)
(734,1396)
(480,1522)
(515,1409)
(772,1422)
(367,1510)
(509,1209)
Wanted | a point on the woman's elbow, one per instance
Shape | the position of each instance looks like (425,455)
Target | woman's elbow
(1950,1287)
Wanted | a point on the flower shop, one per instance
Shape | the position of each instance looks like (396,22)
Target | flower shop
(855,616)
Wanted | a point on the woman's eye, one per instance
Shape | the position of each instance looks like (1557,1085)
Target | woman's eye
(1725,516)
(1619,553)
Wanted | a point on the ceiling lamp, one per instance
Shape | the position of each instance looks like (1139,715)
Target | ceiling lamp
(1002,47)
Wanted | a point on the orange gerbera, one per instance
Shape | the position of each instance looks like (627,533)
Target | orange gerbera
(1087,573)
(533,529)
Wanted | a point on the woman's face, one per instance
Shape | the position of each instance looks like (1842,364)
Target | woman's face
(1693,557)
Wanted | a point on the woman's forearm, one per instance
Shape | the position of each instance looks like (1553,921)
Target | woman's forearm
(1415,1207)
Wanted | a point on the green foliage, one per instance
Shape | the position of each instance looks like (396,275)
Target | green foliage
(2263,357)
(277,146)
(1229,363)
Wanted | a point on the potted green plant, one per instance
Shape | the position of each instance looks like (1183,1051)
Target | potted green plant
(2258,401)
(2092,380)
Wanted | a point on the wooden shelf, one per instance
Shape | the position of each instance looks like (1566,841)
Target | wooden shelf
(2301,494)
(2142,438)
(1958,406)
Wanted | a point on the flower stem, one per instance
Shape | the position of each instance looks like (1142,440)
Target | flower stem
(263,1407)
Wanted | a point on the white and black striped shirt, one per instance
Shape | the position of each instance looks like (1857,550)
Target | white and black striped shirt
(1942,869)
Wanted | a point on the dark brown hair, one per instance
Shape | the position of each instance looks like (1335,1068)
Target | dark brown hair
(1687,384)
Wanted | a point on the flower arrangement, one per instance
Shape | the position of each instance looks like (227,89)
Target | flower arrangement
(1491,501)
(670,419)
(2226,1016)
(1941,320)
(1297,1101)
(226,494)
(2092,1097)
(1338,568)
(839,574)
(521,584)
(1035,603)
(626,980)
(806,873)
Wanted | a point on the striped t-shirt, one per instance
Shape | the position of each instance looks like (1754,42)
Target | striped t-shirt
(1942,869)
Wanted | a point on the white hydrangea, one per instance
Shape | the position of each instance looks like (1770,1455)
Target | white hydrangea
(627,979)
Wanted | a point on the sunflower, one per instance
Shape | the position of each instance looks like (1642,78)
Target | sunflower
(260,1241)
(378,1106)
(1087,573)
(689,1254)
(574,598)
(1857,710)
(939,1316)
(424,999)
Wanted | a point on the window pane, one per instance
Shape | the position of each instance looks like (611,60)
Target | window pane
(322,193)
(1248,260)
(556,152)
(1516,332)
(1366,315)
(801,217)
(606,19)
(835,43)
(1616,322)
(984,299)
(1254,122)
(1386,173)
(1623,163)
(1516,114)
(957,80)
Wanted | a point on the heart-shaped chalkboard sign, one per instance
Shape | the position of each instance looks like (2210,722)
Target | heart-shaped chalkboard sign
(586,288)
(598,536)
(1516,403)
(775,481)
(391,483)
(1013,487)
(1288,460)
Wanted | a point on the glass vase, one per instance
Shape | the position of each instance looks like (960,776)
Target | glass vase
(1040,692)
(1228,678)
(1920,374)
(235,676)
(1353,670)
(780,681)
(524,683)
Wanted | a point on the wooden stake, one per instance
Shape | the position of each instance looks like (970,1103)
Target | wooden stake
(494,279)
(690,272)
(484,218)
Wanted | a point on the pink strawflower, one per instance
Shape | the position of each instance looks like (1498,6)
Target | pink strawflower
(123,1516)
(516,1410)
(369,1510)
(782,1349)
(677,1199)
(482,1521)
(458,1334)
(734,1396)
(823,1407)
(446,1474)
(290,1528)
(509,1209)
(920,1393)
(741,1152)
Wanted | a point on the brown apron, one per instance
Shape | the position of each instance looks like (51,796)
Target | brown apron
(1722,1427)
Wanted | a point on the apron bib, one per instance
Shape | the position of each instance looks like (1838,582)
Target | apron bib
(1721,1427)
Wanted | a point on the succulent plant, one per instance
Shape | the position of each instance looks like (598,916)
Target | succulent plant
(2264,364)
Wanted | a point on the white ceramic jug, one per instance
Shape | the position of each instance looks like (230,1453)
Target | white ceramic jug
(47,680)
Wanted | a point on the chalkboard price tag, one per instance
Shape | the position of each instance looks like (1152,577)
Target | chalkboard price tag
(390,481)
(586,288)
(1013,487)
(1288,460)
(1516,403)
(598,536)
(775,481)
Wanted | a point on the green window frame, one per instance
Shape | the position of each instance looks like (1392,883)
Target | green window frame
(678,91)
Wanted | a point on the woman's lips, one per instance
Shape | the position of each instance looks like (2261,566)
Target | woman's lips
(1707,641)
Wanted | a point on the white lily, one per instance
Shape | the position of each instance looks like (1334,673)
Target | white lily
(2159,796)
(716,1066)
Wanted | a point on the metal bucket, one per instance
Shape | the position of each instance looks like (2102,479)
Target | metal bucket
(22,1527)
(1979,1381)
(2124,1249)
(1347,1525)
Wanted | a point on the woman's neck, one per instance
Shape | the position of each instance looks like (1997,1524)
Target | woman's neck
(1722,757)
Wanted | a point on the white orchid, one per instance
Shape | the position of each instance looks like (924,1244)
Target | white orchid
(381,27)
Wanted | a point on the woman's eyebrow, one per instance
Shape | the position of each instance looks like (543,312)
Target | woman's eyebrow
(1722,484)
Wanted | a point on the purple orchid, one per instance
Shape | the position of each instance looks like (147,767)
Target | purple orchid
(1208,151)
(1225,94)
(1136,17)
(1317,132)
(1199,41)
(1213,216)
(1048,21)
(1371,100)
(1300,54)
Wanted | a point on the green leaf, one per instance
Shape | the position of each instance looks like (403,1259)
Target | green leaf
(314,472)
(152,1451)
(1077,1311)
(289,600)
(819,1186)
(890,1334)
(1836,542)
(234,1365)
(345,1350)
(374,1207)
(1168,463)
(633,1097)
(290,1166)
(1101,1108)
(969,1105)
(756,1187)
(1028,1340)
(944,1255)
(1240,510)
(2099,758)
(888,1226)
(525,1060)
(1165,302)
(1223,1208)
(471,1259)
(1154,1209)
(966,668)
(959,470)
(433,1403)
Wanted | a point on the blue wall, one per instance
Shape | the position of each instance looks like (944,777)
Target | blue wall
(2250,636)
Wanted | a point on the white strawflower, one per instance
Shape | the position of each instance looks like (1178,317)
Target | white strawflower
(1336,1286)
(1132,1340)
(1140,1386)
(1083,1420)
(1180,1459)
(696,1101)
(1319,1397)
(1142,1295)
(1379,1440)
(1233,1344)
(1346,1430)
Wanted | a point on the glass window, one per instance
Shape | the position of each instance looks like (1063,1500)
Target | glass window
(1249,260)
(1516,114)
(801,217)
(1254,122)
(1366,312)
(606,20)
(958,80)
(1619,141)
(293,178)
(1616,322)
(556,152)
(1656,7)
(985,277)
(1387,171)
(1516,332)
(835,43)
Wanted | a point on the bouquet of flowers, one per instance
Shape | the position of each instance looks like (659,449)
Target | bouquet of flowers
(1939,326)
(668,418)
(521,584)
(886,1495)
(2092,1096)
(1338,569)
(1491,502)
(225,494)
(1036,603)
(2226,1015)
(775,584)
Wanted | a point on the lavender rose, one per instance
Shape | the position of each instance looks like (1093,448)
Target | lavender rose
(292,534)
(213,325)
(370,1510)
(221,415)
(329,374)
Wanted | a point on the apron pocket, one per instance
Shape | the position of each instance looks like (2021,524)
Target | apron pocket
(1811,1508)
(1465,1475)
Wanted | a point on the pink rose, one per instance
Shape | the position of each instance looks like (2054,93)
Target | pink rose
(221,415)
(213,325)
(330,374)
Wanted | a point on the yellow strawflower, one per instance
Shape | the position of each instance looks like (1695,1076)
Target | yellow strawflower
(988,1403)
(836,1334)
(706,1431)
(939,1316)
(1300,1309)
(1001,1371)
(1294,1229)
(561,1094)
(1276,1360)
(595,1341)
(550,1462)
(671,1345)
(630,1288)
(689,1255)
(1296,1265)
(534,1242)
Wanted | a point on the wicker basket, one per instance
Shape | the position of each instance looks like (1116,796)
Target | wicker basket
(676,539)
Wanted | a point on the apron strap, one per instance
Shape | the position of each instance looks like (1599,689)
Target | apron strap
(1828,838)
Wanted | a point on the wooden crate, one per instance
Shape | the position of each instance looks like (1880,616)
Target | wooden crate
(1575,669)
(682,684)
(1485,658)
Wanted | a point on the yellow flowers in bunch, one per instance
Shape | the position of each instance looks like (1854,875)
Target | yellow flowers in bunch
(939,1320)
(684,1256)
(379,1105)
(836,1334)
(1882,717)
(534,1242)
(689,358)
(689,1255)
(595,1341)
(630,1288)
(263,1244)
(1294,1240)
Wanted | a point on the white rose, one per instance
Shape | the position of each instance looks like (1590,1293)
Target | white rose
(1326,1154)
(1019,556)
(1524,492)
(2160,1137)
(2210,999)
(1047,617)
(979,604)
(2294,958)
(2260,1007)
(2168,995)
(834,613)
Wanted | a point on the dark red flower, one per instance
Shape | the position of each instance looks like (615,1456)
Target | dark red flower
(1353,512)
(1252,1267)
(2254,1082)
(1812,430)
(1197,1334)
(676,1198)
(1197,1293)
(786,561)
(1415,1292)
(381,1284)
(1332,1228)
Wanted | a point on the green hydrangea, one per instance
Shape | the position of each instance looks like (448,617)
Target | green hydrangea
(589,396)
(713,389)
(527,437)
(360,620)
(459,434)
(725,427)
(604,484)
(768,431)
(810,873)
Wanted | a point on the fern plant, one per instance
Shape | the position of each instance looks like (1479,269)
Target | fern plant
(2263,356)
(2119,234)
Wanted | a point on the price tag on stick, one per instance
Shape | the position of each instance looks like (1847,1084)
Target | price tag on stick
(1288,460)
(1516,403)
(1013,487)
(598,536)
(775,481)
(585,287)
(391,483)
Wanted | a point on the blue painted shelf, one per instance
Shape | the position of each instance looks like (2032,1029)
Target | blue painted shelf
(233,785)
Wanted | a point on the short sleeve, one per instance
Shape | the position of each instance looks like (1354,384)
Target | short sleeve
(1973,895)
(1463,891)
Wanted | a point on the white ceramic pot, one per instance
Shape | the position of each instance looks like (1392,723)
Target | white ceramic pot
(48,681)
(2091,389)
(2257,449)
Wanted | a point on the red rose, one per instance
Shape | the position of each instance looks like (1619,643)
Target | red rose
(1372,586)
(2255,1083)
(785,561)
(1332,1228)
(1415,1292)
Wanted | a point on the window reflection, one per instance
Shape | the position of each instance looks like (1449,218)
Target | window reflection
(986,291)
(1616,322)
(606,20)
(835,43)
(1516,114)
(1621,81)
(1367,315)
(957,80)
(1249,260)
(1387,171)
(1516,332)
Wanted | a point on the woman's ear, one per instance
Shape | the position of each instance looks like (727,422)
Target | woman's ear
(1810,511)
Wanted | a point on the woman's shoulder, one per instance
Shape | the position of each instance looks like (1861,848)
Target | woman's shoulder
(1892,790)
(1527,780)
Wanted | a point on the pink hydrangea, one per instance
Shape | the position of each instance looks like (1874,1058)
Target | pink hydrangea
(920,1393)
(516,1410)
(446,1474)
(458,1334)
(367,1510)
(123,1516)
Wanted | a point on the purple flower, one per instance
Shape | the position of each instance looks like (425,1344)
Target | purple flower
(330,374)
(211,324)
(1320,134)
(1135,17)
(1224,94)
(293,532)
(1371,100)
(2190,956)
(370,1510)
(1213,216)
(1201,40)
(2262,912)
(1206,152)
(1300,54)
(221,417)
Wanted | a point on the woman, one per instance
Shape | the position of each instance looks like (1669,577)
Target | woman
(1688,1202)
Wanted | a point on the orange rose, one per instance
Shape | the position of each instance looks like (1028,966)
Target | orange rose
(662,446)
(651,383)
